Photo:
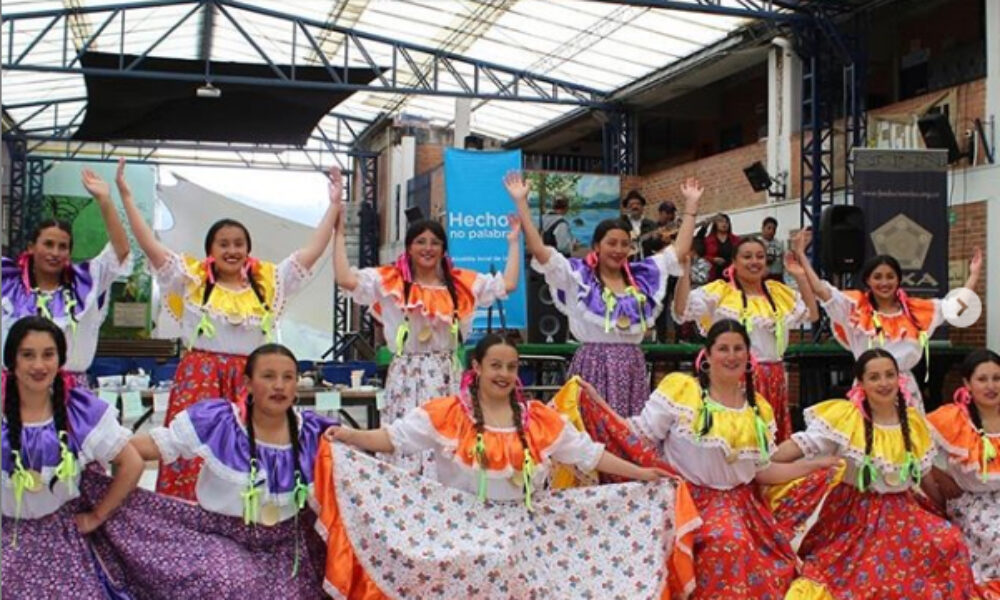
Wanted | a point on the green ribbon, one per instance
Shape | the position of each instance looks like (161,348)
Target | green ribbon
(479,454)
(869,467)
(527,473)
(300,493)
(708,408)
(70,303)
(610,302)
(205,326)
(22,480)
(251,497)
(266,326)
(640,299)
(988,454)
(747,320)
(910,469)
(779,334)
(455,331)
(925,345)
(67,469)
(402,332)
(761,428)
(42,304)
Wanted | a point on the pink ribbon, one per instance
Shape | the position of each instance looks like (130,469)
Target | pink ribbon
(403,264)
(962,396)
(209,272)
(250,266)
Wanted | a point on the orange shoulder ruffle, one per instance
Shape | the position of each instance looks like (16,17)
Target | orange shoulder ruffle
(954,431)
(894,327)
(432,302)
(504,452)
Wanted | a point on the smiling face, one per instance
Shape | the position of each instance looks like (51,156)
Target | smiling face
(883,282)
(728,356)
(273,383)
(230,248)
(984,385)
(497,371)
(37,362)
(51,251)
(750,262)
(880,381)
(613,249)
(426,251)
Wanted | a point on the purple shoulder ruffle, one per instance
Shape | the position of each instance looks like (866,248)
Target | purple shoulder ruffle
(647,279)
(40,445)
(23,300)
(218,428)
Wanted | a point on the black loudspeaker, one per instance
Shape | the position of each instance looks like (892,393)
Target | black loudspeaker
(842,238)
(937,133)
(546,325)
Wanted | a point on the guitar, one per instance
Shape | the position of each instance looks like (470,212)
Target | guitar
(666,232)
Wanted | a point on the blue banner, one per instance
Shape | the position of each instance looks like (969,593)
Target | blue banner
(477,224)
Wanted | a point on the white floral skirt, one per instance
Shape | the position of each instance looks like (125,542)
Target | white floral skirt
(412,380)
(978,516)
(390,534)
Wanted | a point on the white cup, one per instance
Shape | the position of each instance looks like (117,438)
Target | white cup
(356,377)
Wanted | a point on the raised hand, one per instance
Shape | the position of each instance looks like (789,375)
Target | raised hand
(792,265)
(123,188)
(336,185)
(517,186)
(515,228)
(97,187)
(692,190)
(801,241)
(976,264)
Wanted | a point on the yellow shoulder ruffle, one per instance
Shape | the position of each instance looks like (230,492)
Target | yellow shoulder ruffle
(954,431)
(729,301)
(236,306)
(842,422)
(733,430)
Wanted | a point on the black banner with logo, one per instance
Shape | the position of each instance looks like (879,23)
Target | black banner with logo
(904,194)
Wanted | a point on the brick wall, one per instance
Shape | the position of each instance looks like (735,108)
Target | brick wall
(722,175)
(967,232)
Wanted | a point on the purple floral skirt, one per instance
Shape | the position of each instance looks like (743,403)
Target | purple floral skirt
(156,546)
(618,371)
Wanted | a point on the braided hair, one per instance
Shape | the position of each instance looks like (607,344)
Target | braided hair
(67,276)
(293,422)
(210,282)
(866,272)
(600,232)
(515,398)
(704,376)
(416,229)
(763,284)
(968,368)
(12,395)
(904,422)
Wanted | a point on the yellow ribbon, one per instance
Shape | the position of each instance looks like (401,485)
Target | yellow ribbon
(988,454)
(747,320)
(640,299)
(708,408)
(869,467)
(22,480)
(925,345)
(300,493)
(779,334)
(910,469)
(67,469)
(251,497)
(402,332)
(42,303)
(877,322)
(204,326)
(527,473)
(70,303)
(455,330)
(610,302)
(761,428)
(479,454)
(266,325)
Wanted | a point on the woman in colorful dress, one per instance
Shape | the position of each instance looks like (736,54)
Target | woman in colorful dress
(873,539)
(966,478)
(43,281)
(426,306)
(390,534)
(610,302)
(882,314)
(223,306)
(51,430)
(717,432)
(245,537)
(768,309)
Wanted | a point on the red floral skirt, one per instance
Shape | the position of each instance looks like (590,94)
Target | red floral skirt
(868,546)
(200,375)
(770,380)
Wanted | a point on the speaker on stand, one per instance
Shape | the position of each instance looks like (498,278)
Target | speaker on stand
(842,238)
(546,325)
